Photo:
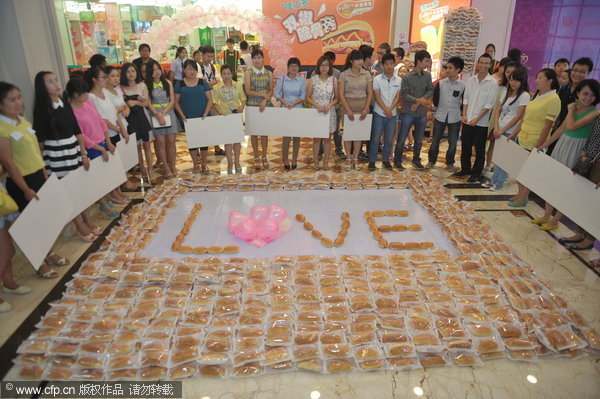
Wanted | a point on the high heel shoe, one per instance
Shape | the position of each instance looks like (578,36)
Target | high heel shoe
(108,211)
(265,163)
(88,238)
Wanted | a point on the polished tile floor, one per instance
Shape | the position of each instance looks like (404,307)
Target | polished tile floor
(566,271)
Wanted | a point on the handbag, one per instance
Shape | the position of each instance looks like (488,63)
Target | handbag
(583,166)
(156,123)
(7,204)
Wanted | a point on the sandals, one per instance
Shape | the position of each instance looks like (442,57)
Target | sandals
(111,213)
(50,274)
(56,260)
(576,248)
(118,201)
(88,238)
(265,163)
(95,230)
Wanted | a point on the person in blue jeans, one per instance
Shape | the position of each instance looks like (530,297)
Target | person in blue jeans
(447,97)
(509,112)
(416,90)
(386,90)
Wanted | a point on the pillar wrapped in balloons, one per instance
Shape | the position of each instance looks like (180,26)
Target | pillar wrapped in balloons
(167,29)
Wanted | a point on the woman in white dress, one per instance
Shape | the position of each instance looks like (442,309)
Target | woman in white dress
(321,93)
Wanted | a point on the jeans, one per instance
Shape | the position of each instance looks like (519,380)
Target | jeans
(438,132)
(387,126)
(407,122)
(500,176)
(473,136)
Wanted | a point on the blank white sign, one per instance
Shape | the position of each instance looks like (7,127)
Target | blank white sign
(573,195)
(357,129)
(509,156)
(128,152)
(84,187)
(214,130)
(295,122)
(41,222)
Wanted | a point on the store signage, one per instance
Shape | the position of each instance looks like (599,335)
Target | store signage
(315,27)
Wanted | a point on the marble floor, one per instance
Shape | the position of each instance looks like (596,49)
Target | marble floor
(567,272)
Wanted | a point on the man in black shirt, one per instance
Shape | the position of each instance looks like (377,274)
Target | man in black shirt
(144,58)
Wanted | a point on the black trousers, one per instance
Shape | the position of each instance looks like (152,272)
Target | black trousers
(473,136)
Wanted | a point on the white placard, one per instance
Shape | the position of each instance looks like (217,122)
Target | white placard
(214,130)
(295,122)
(357,129)
(128,152)
(573,195)
(41,222)
(509,156)
(84,187)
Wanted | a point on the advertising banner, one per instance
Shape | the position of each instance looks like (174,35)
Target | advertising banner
(315,27)
(426,25)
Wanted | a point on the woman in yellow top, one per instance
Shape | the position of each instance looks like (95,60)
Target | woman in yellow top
(21,158)
(229,97)
(534,128)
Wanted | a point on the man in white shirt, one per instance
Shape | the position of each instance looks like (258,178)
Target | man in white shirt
(399,54)
(479,98)
(447,97)
(246,55)
(386,90)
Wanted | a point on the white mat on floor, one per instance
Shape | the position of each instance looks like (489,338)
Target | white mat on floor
(322,208)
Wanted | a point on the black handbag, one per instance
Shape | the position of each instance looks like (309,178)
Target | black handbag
(584,164)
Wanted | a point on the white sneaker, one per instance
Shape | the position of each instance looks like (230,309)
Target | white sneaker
(487,184)
(494,187)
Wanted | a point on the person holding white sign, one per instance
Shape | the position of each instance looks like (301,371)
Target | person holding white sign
(534,128)
(60,140)
(291,93)
(322,93)
(228,98)
(572,135)
(356,95)
(164,123)
(21,158)
(7,251)
(94,130)
(386,89)
(507,115)
(258,84)
(193,98)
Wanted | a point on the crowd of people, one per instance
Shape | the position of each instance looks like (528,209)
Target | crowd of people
(106,104)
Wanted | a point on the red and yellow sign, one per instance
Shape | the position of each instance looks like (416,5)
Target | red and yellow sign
(426,25)
(315,27)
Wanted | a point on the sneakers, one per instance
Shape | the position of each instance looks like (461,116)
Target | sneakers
(494,187)
(450,168)
(399,166)
(473,179)
(430,165)
(487,184)
(387,165)
(363,156)
(340,154)
(417,165)
(371,166)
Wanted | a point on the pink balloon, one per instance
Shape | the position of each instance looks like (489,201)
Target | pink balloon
(259,213)
(235,218)
(246,230)
(268,230)
(278,213)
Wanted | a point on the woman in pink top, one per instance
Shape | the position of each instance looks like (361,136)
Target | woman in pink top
(94,130)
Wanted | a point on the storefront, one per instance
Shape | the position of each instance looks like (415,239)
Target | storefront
(115,28)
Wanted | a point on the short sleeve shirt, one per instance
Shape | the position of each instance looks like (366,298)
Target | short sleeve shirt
(177,68)
(538,111)
(387,88)
(193,100)
(24,144)
(510,110)
(106,108)
(228,100)
(91,123)
(355,86)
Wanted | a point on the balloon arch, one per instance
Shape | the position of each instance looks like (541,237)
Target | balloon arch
(183,22)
